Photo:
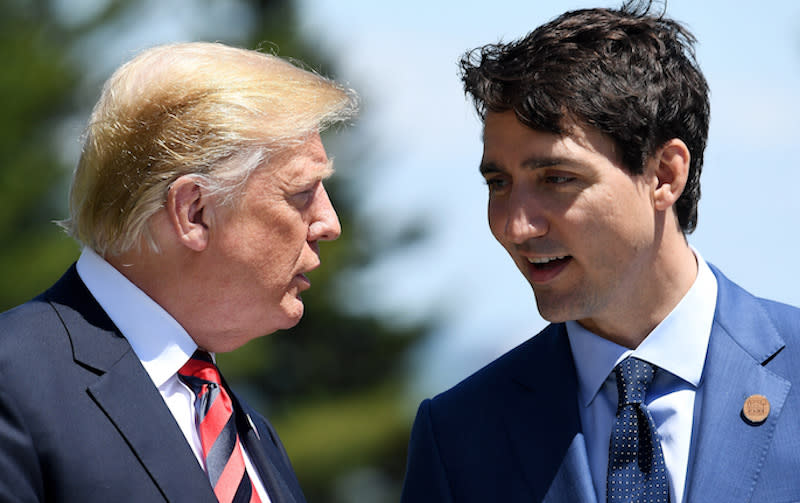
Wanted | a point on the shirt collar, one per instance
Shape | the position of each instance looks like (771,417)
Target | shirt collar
(158,340)
(678,344)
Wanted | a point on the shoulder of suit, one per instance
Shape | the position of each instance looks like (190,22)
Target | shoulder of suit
(40,308)
(785,317)
(33,329)
(35,315)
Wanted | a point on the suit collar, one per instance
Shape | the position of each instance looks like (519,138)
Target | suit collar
(138,412)
(125,393)
(543,422)
(727,452)
(741,316)
(160,342)
(96,342)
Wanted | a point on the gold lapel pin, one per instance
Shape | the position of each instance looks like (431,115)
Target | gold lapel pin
(756,409)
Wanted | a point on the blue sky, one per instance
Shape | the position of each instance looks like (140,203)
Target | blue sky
(402,58)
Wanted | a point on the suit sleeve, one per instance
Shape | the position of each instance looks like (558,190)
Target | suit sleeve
(426,480)
(21,479)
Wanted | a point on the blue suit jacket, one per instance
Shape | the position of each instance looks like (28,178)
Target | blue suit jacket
(80,419)
(512,432)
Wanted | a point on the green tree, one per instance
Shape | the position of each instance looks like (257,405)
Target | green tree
(334,385)
(36,88)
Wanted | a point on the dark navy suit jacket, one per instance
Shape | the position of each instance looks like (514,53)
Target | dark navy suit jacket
(81,421)
(512,432)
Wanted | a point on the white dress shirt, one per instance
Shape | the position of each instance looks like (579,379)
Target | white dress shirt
(678,346)
(160,342)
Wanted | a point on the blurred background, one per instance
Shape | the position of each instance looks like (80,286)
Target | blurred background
(416,294)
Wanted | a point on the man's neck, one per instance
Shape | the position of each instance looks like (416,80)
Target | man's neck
(673,273)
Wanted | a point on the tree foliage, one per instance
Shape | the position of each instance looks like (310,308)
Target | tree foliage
(36,88)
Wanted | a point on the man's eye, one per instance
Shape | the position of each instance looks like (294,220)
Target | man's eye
(559,179)
(301,199)
(495,184)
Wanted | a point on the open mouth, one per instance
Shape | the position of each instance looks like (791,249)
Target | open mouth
(548,263)
(545,269)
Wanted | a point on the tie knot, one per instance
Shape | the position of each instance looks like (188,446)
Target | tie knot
(200,370)
(633,378)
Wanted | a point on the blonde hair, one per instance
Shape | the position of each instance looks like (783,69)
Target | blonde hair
(201,109)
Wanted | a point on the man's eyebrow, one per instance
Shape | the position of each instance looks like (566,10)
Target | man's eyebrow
(489,167)
(318,175)
(327,171)
(547,162)
(531,163)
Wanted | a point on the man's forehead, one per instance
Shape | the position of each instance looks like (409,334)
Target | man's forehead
(306,150)
(302,169)
(499,124)
(567,126)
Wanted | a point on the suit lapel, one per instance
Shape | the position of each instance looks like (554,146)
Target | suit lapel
(727,451)
(125,393)
(139,413)
(263,451)
(543,422)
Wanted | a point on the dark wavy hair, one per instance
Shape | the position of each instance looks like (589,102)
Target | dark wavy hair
(629,73)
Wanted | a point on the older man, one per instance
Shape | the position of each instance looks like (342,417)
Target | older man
(200,204)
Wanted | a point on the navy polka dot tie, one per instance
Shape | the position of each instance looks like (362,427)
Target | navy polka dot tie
(636,470)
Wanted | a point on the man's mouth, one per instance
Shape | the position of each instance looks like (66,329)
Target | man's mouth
(545,263)
(305,283)
(544,269)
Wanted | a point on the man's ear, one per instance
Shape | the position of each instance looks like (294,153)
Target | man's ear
(188,211)
(672,171)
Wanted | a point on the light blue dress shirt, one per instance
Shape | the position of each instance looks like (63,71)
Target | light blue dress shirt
(678,346)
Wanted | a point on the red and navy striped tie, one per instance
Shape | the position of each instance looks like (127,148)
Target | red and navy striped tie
(216,424)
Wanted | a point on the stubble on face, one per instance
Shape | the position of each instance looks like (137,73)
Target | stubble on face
(577,224)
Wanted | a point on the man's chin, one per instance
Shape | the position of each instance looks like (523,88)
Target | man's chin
(551,310)
(293,310)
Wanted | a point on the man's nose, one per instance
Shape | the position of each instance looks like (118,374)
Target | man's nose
(526,219)
(326,226)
